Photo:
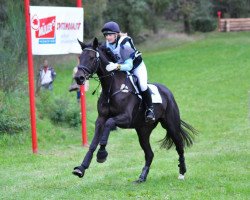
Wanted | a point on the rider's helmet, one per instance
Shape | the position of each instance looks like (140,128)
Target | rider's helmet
(111,28)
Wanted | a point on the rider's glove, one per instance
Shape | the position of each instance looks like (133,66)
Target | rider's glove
(113,66)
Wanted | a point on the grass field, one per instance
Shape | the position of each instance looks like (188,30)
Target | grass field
(210,78)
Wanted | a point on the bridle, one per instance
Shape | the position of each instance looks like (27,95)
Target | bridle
(96,63)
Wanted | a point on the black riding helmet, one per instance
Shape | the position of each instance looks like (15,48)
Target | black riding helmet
(110,28)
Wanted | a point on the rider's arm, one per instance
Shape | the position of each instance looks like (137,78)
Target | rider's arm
(127,65)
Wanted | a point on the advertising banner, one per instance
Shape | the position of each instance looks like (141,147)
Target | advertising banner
(55,30)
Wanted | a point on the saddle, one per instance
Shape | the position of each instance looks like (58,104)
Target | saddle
(156,97)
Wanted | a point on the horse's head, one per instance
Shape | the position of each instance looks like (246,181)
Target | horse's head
(89,61)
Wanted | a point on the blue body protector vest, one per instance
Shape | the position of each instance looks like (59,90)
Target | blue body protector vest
(125,49)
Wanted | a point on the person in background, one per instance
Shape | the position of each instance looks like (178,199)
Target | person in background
(46,76)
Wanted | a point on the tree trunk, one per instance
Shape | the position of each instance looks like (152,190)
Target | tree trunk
(186,24)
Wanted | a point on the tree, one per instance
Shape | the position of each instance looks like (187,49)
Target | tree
(130,14)
(93,17)
(154,11)
(194,12)
(202,18)
(232,8)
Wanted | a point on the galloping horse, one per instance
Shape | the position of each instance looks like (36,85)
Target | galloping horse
(123,108)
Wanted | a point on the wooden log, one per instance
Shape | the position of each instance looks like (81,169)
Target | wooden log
(234,24)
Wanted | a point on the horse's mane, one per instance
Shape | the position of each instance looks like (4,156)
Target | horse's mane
(107,52)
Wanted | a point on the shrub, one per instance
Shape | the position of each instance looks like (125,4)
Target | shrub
(203,24)
(59,110)
(44,103)
(13,117)
(73,116)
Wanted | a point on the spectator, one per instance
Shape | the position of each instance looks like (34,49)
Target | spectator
(46,76)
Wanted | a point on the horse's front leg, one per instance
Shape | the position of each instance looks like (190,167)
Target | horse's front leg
(110,125)
(79,170)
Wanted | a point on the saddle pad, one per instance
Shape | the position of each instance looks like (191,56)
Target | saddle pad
(156,97)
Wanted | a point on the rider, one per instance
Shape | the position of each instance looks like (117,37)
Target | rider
(128,59)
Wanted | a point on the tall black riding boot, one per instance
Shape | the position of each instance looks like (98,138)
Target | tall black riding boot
(149,114)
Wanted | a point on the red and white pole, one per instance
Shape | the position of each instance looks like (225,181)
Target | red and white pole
(31,77)
(83,103)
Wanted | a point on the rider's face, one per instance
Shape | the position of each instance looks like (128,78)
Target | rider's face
(111,37)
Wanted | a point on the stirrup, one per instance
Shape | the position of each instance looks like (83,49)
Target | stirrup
(149,115)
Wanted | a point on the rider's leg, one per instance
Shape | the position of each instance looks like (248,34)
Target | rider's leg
(146,96)
(141,73)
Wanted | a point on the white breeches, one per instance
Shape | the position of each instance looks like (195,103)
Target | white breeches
(141,74)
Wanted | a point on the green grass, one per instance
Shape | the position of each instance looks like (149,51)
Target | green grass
(209,77)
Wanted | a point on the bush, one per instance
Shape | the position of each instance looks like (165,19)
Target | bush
(44,103)
(13,117)
(203,24)
(59,110)
(73,116)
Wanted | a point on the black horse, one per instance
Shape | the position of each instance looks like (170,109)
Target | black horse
(120,106)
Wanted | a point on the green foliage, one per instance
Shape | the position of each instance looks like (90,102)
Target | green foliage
(58,109)
(12,44)
(134,11)
(155,10)
(233,8)
(202,19)
(93,17)
(73,116)
(44,103)
(13,117)
(204,24)
(52,3)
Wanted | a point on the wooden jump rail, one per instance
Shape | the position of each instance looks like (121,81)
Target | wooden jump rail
(233,24)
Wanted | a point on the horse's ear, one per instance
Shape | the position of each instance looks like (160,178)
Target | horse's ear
(95,43)
(82,44)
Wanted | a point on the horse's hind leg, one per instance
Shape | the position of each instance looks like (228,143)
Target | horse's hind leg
(172,125)
(144,134)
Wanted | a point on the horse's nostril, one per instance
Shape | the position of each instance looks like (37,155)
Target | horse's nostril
(80,80)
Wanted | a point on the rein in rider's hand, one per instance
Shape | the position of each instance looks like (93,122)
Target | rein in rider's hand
(113,66)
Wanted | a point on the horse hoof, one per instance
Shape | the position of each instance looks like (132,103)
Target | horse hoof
(78,172)
(139,181)
(101,160)
(181,177)
(101,156)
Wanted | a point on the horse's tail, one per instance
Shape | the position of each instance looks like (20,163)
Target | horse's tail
(186,135)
